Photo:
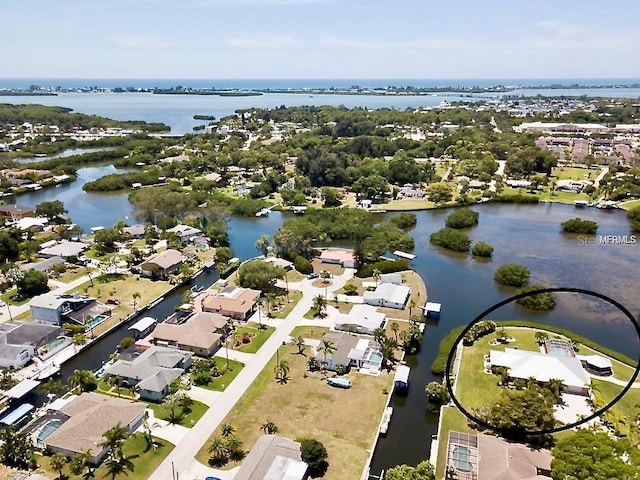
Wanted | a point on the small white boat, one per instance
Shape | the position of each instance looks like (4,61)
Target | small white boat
(386,418)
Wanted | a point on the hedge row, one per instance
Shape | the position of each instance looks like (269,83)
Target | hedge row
(515,198)
(384,266)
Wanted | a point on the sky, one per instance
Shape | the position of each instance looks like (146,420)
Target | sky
(221,39)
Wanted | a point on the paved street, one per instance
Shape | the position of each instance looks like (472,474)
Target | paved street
(181,459)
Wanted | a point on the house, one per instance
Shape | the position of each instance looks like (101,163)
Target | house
(185,233)
(485,457)
(344,258)
(85,418)
(199,334)
(388,295)
(394,278)
(543,367)
(33,224)
(279,262)
(57,309)
(63,249)
(135,231)
(237,303)
(44,265)
(273,458)
(346,353)
(19,342)
(213,177)
(363,319)
(162,265)
(152,371)
(16,212)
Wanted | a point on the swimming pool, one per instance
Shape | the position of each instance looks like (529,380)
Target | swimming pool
(96,320)
(47,430)
(460,457)
(374,360)
(57,341)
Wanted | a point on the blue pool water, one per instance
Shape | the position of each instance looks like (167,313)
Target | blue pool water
(461,457)
(96,320)
(375,360)
(48,429)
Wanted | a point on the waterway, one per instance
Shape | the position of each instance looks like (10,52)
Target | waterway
(64,154)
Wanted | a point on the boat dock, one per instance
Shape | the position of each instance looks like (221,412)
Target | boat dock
(401,379)
(432,310)
(386,418)
(264,212)
(401,254)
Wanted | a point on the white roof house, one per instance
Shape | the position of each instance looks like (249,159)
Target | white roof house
(64,249)
(185,232)
(543,367)
(361,319)
(388,295)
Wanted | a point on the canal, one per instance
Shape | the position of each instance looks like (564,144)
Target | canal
(525,234)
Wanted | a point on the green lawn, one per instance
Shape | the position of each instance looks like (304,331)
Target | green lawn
(106,388)
(626,409)
(452,420)
(189,420)
(315,333)
(294,298)
(72,274)
(220,383)
(7,297)
(631,204)
(574,173)
(311,313)
(258,337)
(135,447)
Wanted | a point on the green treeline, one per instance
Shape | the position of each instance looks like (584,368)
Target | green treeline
(66,120)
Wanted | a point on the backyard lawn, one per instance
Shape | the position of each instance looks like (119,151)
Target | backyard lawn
(307,407)
(255,336)
(315,333)
(451,420)
(294,298)
(198,409)
(223,381)
(135,447)
(626,409)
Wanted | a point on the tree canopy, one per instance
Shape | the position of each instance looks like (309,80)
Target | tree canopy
(512,274)
(423,471)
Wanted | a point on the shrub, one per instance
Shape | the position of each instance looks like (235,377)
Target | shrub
(541,301)
(634,217)
(405,220)
(482,249)
(127,342)
(479,330)
(512,274)
(302,265)
(384,266)
(462,218)
(451,239)
(515,198)
(439,365)
(315,455)
(579,225)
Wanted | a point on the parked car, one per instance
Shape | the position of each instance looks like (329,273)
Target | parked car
(312,276)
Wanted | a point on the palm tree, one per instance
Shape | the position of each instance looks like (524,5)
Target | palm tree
(282,371)
(269,428)
(376,275)
(263,244)
(298,342)
(52,387)
(115,465)
(219,453)
(79,462)
(114,438)
(57,462)
(326,347)
(412,305)
(146,433)
(270,298)
(226,430)
(173,402)
(541,337)
(136,297)
(395,328)
(82,379)
(555,386)
(116,381)
(260,303)
(379,335)
(234,446)
(320,305)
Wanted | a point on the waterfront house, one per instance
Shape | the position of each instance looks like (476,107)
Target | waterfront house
(136,231)
(273,457)
(344,258)
(343,343)
(485,457)
(363,319)
(543,367)
(19,342)
(63,249)
(388,295)
(185,233)
(15,212)
(394,278)
(162,265)
(279,262)
(237,303)
(57,309)
(152,371)
(83,420)
(200,333)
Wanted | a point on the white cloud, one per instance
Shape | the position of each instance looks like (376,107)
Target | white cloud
(141,41)
(426,43)
(262,41)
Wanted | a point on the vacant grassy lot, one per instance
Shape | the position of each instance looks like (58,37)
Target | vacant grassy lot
(409,204)
(72,274)
(186,419)
(135,447)
(256,337)
(309,332)
(294,298)
(308,407)
(574,173)
(220,383)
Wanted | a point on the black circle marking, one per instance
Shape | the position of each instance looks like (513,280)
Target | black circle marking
(480,317)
